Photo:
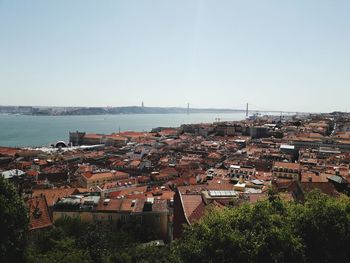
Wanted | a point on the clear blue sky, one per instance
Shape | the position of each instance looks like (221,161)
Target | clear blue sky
(283,55)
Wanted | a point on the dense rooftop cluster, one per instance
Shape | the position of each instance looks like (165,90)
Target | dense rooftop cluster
(168,177)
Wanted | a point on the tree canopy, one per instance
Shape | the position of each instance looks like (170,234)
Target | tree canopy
(13,223)
(273,230)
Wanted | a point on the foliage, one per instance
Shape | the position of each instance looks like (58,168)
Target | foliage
(13,223)
(271,231)
(324,225)
(72,240)
(62,250)
(246,234)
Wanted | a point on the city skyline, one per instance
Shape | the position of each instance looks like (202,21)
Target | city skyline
(290,56)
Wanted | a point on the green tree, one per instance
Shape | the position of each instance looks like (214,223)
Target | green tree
(14,222)
(250,233)
(268,231)
(317,230)
(324,225)
(63,250)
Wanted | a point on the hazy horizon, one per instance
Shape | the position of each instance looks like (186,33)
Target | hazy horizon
(276,55)
(251,108)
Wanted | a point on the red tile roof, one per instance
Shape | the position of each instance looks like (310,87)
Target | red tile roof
(129,190)
(305,177)
(8,151)
(52,195)
(294,166)
(326,188)
(193,206)
(39,213)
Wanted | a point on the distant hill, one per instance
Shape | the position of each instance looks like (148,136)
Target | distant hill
(105,110)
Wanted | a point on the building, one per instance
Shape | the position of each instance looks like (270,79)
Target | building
(238,171)
(76,138)
(39,214)
(191,202)
(286,170)
(257,132)
(82,138)
(317,143)
(311,181)
(147,212)
(98,178)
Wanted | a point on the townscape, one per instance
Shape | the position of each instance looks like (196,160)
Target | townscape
(165,179)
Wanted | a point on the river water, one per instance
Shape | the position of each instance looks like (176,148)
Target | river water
(21,130)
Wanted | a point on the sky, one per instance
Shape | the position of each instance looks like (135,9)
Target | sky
(277,55)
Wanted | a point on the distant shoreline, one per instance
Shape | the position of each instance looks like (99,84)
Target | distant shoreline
(81,111)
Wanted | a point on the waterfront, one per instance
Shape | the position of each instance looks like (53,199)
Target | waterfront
(22,130)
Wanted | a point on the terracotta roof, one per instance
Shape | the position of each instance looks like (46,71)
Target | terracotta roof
(52,195)
(55,169)
(116,137)
(253,198)
(214,155)
(135,163)
(157,206)
(190,203)
(193,206)
(32,173)
(198,212)
(326,188)
(126,205)
(39,213)
(112,205)
(98,176)
(168,131)
(219,184)
(166,195)
(169,171)
(8,151)
(93,136)
(129,190)
(294,166)
(215,184)
(183,181)
(119,183)
(305,177)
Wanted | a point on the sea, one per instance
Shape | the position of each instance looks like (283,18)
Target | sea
(35,131)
